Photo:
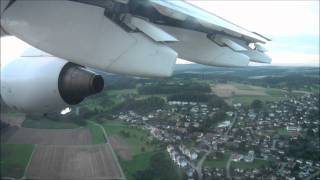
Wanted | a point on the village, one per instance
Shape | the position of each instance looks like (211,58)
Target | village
(248,143)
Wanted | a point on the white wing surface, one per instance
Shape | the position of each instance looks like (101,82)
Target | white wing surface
(134,37)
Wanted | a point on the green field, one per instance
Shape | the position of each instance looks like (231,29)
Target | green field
(275,92)
(271,94)
(247,100)
(217,163)
(122,92)
(244,165)
(118,95)
(246,94)
(48,124)
(282,132)
(97,135)
(14,159)
(137,163)
(137,139)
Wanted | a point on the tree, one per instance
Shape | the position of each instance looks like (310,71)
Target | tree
(256,104)
(160,168)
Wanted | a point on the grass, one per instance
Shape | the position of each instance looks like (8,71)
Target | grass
(137,138)
(243,86)
(265,94)
(118,95)
(247,100)
(48,124)
(217,163)
(275,92)
(122,92)
(282,132)
(139,162)
(14,159)
(97,136)
(255,164)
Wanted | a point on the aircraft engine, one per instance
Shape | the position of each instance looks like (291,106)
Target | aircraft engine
(45,84)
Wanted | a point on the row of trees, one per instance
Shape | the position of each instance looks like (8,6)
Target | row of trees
(164,88)
(142,106)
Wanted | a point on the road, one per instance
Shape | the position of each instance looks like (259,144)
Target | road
(112,151)
(198,168)
(274,142)
(230,158)
(228,167)
(313,175)
(232,123)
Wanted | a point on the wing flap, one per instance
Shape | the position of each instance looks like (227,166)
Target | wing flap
(151,30)
(257,56)
(196,47)
(224,41)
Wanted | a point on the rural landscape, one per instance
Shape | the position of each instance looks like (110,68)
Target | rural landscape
(202,123)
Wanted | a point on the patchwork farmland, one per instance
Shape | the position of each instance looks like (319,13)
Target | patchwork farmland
(61,154)
(73,162)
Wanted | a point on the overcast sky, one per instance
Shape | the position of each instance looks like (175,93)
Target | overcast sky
(293,27)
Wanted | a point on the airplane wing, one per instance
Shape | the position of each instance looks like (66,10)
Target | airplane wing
(134,37)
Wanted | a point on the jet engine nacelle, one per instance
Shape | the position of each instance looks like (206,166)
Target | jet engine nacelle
(45,84)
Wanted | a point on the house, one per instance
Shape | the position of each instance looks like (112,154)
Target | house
(196,124)
(190,172)
(224,124)
(237,157)
(170,148)
(249,157)
(192,155)
(292,129)
(181,161)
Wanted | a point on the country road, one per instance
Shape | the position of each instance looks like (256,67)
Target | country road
(228,167)
(198,168)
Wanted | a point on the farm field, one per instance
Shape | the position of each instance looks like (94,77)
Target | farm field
(14,119)
(79,136)
(48,124)
(244,165)
(135,137)
(245,94)
(131,146)
(14,159)
(73,162)
(217,163)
